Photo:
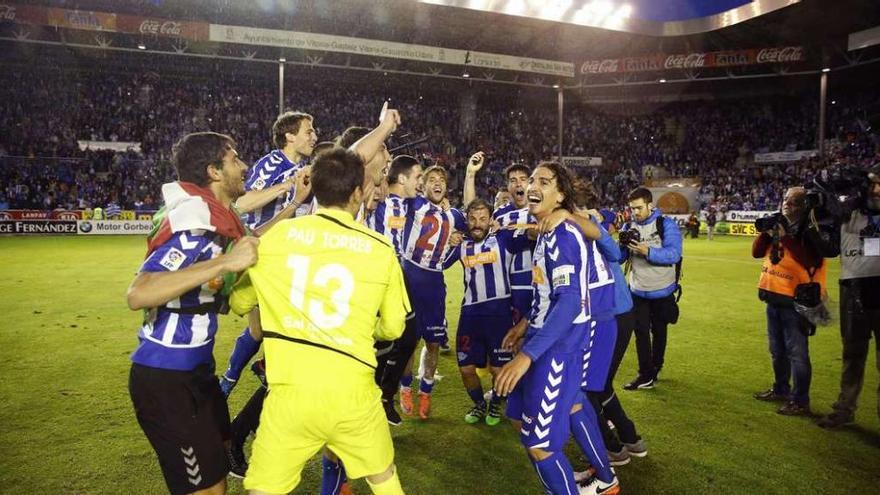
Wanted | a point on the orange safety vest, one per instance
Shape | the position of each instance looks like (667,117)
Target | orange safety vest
(783,278)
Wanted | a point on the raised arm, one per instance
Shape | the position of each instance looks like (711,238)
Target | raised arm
(474,165)
(369,145)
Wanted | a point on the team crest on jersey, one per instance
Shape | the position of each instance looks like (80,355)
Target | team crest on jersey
(173,259)
(259,183)
(562,275)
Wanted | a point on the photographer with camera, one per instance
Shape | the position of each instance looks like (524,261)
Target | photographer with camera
(651,243)
(859,295)
(792,284)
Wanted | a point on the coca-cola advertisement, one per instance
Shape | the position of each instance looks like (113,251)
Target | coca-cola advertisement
(152,26)
(778,55)
(7,12)
(689,61)
(695,60)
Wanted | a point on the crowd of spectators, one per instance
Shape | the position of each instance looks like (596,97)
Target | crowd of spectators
(49,114)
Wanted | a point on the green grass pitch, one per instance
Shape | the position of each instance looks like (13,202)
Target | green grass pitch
(67,425)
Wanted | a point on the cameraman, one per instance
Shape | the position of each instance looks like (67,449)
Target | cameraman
(652,244)
(793,247)
(859,299)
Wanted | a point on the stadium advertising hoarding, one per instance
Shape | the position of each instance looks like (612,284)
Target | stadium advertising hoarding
(741,216)
(742,229)
(114,227)
(389,49)
(71,215)
(34,227)
(785,156)
(103,21)
(694,60)
(196,31)
(582,161)
(118,146)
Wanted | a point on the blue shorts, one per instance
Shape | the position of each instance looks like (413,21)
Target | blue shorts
(599,354)
(427,295)
(521,300)
(543,399)
(479,337)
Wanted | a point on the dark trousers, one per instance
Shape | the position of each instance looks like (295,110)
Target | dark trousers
(652,320)
(248,419)
(857,324)
(790,353)
(606,402)
(392,364)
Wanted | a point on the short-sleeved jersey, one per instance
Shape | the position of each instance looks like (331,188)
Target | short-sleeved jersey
(561,264)
(486,267)
(323,279)
(268,171)
(427,231)
(177,340)
(508,216)
(389,219)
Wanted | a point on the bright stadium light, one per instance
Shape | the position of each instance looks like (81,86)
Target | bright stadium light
(465,75)
(826,69)
(555,86)
(282,59)
(663,80)
(142,46)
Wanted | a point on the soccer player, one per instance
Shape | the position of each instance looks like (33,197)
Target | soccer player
(513,214)
(605,402)
(485,309)
(321,281)
(176,396)
(599,350)
(268,200)
(389,218)
(427,233)
(545,375)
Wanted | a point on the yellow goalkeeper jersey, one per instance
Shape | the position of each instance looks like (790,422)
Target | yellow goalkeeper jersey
(327,287)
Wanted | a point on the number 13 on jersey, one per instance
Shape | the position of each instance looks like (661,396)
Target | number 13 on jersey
(331,287)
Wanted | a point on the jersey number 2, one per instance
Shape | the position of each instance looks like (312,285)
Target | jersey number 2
(324,277)
(424,240)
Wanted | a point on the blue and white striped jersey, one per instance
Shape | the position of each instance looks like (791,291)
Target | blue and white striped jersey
(175,340)
(389,219)
(601,285)
(508,216)
(427,231)
(486,267)
(270,170)
(561,264)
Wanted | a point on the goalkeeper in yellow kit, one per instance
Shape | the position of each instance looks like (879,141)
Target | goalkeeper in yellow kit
(320,282)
